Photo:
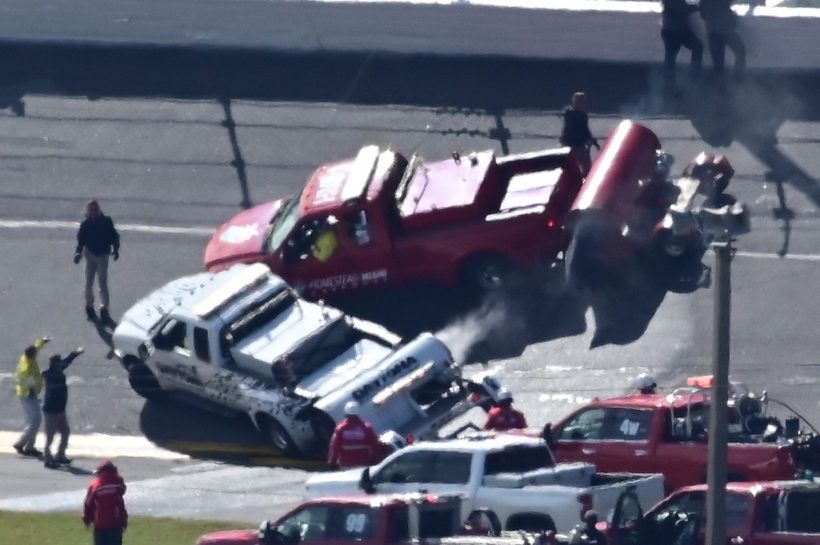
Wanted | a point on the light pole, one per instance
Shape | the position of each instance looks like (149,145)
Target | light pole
(718,414)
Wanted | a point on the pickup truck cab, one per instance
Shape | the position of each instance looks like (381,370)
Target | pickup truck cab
(757,513)
(666,433)
(370,520)
(514,478)
(242,340)
(380,219)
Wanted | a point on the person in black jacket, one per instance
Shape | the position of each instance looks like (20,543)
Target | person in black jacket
(96,239)
(54,404)
(575,132)
(676,32)
(721,25)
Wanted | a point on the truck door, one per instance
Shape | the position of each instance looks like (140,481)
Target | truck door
(173,358)
(613,438)
(325,256)
(410,471)
(794,519)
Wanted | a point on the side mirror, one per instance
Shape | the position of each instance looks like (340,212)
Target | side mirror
(366,482)
(547,434)
(269,535)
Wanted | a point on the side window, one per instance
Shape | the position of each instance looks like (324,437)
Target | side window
(360,230)
(313,239)
(689,503)
(452,468)
(352,523)
(802,507)
(411,467)
(201,347)
(585,425)
(626,424)
(171,336)
(305,525)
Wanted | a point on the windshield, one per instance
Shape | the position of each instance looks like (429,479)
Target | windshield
(284,223)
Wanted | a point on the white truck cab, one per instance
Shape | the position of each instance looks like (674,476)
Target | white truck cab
(243,340)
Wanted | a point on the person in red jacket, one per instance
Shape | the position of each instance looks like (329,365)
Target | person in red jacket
(503,417)
(354,442)
(104,506)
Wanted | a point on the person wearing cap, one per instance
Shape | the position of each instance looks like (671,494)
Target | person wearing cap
(54,404)
(503,417)
(96,239)
(29,384)
(104,505)
(354,443)
(646,384)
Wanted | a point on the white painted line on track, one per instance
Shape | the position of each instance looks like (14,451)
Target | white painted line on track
(208,231)
(128,227)
(623,6)
(99,445)
(791,257)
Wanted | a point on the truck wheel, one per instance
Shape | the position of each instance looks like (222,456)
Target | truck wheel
(279,436)
(489,520)
(485,274)
(142,380)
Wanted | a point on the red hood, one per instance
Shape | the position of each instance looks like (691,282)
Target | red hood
(230,537)
(241,239)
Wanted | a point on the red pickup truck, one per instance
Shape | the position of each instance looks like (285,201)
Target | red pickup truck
(363,520)
(666,433)
(757,513)
(380,220)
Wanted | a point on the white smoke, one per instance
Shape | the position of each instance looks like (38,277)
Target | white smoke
(465,332)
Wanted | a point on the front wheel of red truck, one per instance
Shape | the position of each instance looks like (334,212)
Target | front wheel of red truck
(486,273)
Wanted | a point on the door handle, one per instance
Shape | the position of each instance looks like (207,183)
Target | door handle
(588,451)
(641,452)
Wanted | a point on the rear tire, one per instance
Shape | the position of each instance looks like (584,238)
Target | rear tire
(487,274)
(142,380)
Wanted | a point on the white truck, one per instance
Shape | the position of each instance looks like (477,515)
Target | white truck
(243,340)
(512,478)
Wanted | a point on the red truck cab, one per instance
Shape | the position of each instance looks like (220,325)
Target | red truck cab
(757,513)
(666,433)
(356,520)
(379,220)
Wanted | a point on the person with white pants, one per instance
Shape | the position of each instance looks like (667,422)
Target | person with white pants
(96,240)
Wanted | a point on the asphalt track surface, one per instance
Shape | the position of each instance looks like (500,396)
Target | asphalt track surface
(156,134)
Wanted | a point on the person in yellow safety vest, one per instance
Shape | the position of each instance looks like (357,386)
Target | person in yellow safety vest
(29,385)
(325,244)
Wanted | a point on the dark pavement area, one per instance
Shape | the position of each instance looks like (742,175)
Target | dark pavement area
(174,136)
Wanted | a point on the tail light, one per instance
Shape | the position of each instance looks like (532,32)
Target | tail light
(551,223)
(410,439)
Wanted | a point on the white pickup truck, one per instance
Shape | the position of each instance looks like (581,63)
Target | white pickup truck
(513,478)
(244,341)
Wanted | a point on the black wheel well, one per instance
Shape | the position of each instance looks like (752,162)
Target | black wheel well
(530,521)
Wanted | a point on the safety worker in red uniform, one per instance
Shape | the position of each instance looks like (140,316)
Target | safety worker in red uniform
(354,443)
(503,417)
(104,505)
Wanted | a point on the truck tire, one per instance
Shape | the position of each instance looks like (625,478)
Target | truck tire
(278,435)
(491,519)
(531,522)
(142,380)
(486,273)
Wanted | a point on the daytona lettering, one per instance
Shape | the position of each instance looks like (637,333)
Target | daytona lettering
(372,387)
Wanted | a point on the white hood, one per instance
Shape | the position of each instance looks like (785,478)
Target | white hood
(334,483)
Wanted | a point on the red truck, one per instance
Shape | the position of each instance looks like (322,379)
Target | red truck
(363,520)
(757,513)
(381,219)
(666,433)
